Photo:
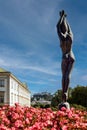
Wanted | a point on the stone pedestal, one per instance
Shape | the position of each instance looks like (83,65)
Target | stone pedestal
(64,104)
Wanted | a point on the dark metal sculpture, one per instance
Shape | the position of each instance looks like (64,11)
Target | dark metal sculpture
(66,38)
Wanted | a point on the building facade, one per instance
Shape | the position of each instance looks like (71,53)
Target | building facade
(13,90)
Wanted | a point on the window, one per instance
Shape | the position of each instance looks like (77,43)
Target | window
(11,84)
(12,98)
(1,97)
(2,83)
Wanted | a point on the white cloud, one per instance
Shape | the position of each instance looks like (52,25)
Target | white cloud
(37,82)
(47,65)
(84,78)
(20,65)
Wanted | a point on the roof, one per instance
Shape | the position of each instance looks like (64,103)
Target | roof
(23,84)
(3,70)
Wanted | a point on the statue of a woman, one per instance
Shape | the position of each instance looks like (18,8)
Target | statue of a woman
(66,38)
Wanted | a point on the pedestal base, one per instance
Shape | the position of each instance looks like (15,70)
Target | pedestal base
(64,104)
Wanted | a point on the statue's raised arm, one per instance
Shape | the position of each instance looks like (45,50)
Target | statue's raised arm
(63,27)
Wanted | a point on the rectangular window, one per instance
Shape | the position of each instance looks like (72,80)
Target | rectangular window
(14,97)
(1,97)
(2,83)
(11,98)
(11,84)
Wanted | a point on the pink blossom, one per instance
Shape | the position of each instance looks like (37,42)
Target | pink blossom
(27,121)
(64,128)
(25,118)
(18,124)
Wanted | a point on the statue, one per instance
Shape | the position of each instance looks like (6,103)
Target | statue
(66,38)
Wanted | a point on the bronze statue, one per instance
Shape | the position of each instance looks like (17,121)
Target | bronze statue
(66,38)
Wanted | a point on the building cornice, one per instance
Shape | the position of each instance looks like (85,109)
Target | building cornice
(7,73)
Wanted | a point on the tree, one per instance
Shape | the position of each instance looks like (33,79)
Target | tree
(79,96)
(57,97)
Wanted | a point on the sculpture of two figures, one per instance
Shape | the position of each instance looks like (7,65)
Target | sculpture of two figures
(66,38)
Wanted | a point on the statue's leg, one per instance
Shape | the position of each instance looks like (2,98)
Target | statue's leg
(67,65)
(64,67)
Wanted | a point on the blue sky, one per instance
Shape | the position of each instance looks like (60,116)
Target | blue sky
(29,45)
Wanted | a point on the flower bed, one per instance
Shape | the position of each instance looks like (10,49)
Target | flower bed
(25,118)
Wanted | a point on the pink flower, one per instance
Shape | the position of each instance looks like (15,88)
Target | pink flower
(18,124)
(64,128)
(63,109)
(13,128)
(25,118)
(15,116)
(2,127)
(27,121)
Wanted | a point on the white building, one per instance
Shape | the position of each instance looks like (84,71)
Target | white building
(12,90)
